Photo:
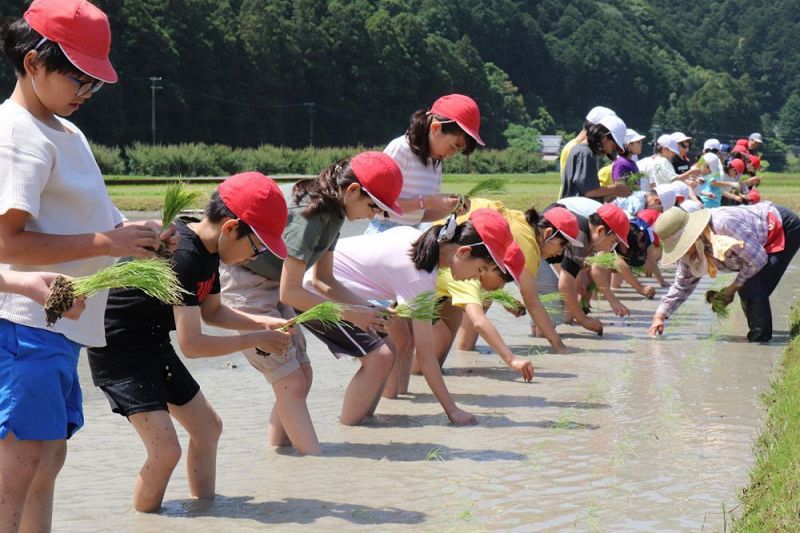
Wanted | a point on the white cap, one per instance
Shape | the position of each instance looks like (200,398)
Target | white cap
(680,137)
(666,193)
(757,138)
(690,206)
(631,136)
(711,144)
(617,128)
(681,189)
(667,141)
(597,114)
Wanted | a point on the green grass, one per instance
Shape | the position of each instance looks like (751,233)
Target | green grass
(522,190)
(772,500)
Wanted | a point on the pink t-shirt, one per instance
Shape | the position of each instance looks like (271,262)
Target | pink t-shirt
(377,266)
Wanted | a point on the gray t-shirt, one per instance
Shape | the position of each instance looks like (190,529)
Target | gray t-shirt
(307,239)
(580,172)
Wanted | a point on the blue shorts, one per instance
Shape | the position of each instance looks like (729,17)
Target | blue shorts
(40,396)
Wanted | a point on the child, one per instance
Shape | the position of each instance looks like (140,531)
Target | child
(579,177)
(539,237)
(449,127)
(401,263)
(139,371)
(592,117)
(55,214)
(352,189)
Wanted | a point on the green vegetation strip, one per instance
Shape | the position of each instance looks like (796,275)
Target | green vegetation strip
(772,501)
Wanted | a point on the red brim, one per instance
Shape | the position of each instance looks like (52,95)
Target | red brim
(98,68)
(515,261)
(473,134)
(273,244)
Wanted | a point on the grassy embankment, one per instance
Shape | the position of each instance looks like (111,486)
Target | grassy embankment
(772,500)
(523,190)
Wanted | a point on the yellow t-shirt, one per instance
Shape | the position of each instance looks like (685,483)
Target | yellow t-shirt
(460,292)
(523,233)
(604,176)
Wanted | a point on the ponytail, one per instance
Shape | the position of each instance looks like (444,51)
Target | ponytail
(539,223)
(324,191)
(425,250)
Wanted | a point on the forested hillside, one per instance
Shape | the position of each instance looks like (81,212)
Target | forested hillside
(248,72)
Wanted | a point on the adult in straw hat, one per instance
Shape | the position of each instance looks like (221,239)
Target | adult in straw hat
(757,242)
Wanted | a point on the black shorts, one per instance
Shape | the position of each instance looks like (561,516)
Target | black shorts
(165,381)
(345,339)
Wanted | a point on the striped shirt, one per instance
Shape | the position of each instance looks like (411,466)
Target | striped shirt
(418,179)
(748,224)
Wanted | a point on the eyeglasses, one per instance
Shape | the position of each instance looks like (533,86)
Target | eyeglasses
(256,250)
(616,241)
(377,210)
(86,87)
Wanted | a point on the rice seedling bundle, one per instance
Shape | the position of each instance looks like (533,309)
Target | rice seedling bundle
(176,199)
(718,305)
(606,260)
(328,314)
(487,186)
(424,306)
(154,277)
(502,297)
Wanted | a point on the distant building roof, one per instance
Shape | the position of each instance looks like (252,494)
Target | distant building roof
(550,144)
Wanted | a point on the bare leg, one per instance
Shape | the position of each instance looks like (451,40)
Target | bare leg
(403,346)
(204,426)
(366,385)
(38,514)
(19,462)
(157,432)
(290,423)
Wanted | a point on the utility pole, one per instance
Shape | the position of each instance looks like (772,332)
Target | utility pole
(155,85)
(310,106)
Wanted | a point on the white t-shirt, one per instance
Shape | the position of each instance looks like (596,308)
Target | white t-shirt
(418,179)
(662,170)
(581,205)
(377,266)
(53,176)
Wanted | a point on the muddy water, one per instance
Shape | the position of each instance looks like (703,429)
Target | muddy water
(630,434)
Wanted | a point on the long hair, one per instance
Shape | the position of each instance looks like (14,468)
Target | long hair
(324,191)
(425,250)
(419,129)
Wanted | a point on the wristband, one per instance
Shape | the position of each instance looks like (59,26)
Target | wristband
(421,204)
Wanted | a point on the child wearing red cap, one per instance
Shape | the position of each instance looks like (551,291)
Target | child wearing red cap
(55,214)
(450,126)
(139,371)
(401,263)
(355,188)
(463,312)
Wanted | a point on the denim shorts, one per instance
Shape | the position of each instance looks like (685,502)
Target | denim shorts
(40,395)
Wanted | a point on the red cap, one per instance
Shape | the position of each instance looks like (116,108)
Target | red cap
(566,223)
(81,30)
(755,161)
(616,219)
(742,142)
(753,196)
(463,111)
(496,235)
(650,216)
(259,203)
(740,149)
(738,165)
(380,177)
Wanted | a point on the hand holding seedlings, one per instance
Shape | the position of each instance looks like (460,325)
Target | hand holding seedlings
(176,199)
(37,288)
(366,318)
(274,341)
(656,326)
(131,240)
(327,314)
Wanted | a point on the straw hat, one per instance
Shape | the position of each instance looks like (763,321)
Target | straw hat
(678,230)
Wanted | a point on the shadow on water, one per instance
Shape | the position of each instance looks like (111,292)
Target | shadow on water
(484,421)
(414,451)
(500,373)
(506,400)
(289,511)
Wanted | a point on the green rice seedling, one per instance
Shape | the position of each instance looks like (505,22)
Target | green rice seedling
(718,305)
(154,277)
(424,306)
(550,297)
(435,455)
(634,180)
(329,314)
(487,186)
(502,297)
(176,199)
(606,260)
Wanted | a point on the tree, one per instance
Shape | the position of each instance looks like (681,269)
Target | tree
(789,121)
